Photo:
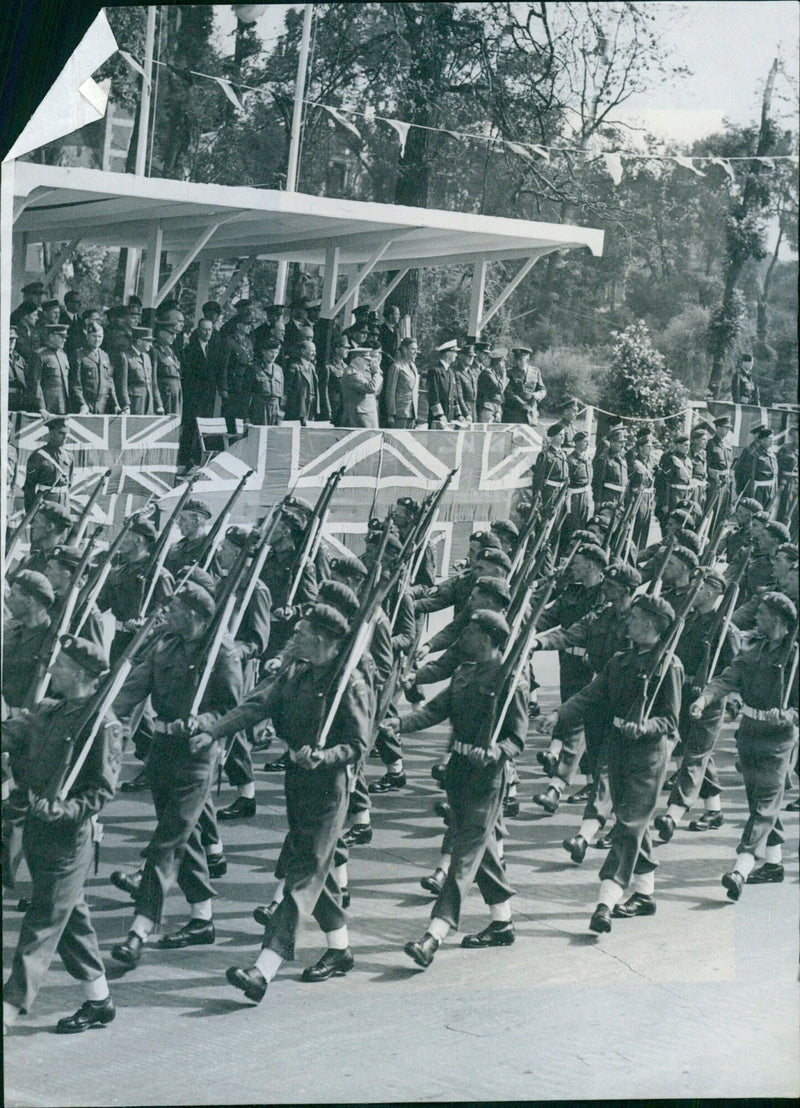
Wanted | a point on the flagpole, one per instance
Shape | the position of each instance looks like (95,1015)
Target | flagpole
(132,262)
(294,141)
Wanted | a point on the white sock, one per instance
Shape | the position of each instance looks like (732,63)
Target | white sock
(337,940)
(142,926)
(277,896)
(438,928)
(395,767)
(713,803)
(744,864)
(512,790)
(10,1014)
(97,989)
(361,819)
(248,790)
(676,812)
(444,863)
(555,748)
(340,873)
(556,784)
(201,910)
(773,855)
(589,829)
(644,883)
(214,849)
(268,963)
(500,913)
(610,893)
(500,849)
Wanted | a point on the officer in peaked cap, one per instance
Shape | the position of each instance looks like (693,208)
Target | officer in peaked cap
(50,468)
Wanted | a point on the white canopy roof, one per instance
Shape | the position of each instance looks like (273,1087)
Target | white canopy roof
(59,204)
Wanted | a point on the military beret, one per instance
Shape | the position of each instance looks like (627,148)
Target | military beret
(35,585)
(521,350)
(687,556)
(339,596)
(87,654)
(198,506)
(349,566)
(495,557)
(688,539)
(723,421)
(555,429)
(655,606)
(56,513)
(492,624)
(711,577)
(584,537)
(50,305)
(409,503)
(328,621)
(505,527)
(204,579)
(593,553)
(496,587)
(761,515)
(624,574)
(485,540)
(579,436)
(144,527)
(142,333)
(240,536)
(684,519)
(68,555)
(763,433)
(212,306)
(35,287)
(781,606)
(195,598)
(298,505)
(777,530)
(788,550)
(498,353)
(375,523)
(294,522)
(57,328)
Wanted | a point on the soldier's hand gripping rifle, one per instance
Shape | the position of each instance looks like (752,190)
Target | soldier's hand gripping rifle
(357,639)
(312,536)
(27,519)
(161,548)
(78,529)
(51,645)
(523,587)
(217,531)
(413,551)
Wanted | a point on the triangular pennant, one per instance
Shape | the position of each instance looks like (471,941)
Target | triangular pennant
(613,163)
(687,163)
(227,88)
(402,130)
(767,162)
(543,152)
(132,62)
(340,119)
(723,163)
(519,149)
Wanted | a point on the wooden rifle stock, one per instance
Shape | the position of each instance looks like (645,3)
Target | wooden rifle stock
(313,532)
(213,539)
(26,520)
(78,528)
(159,555)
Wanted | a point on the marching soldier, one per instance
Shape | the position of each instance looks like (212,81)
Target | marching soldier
(62,561)
(766,680)
(180,767)
(29,602)
(58,836)
(193,526)
(50,467)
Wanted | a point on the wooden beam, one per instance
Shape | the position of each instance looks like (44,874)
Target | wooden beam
(62,256)
(395,281)
(363,272)
(187,259)
(476,297)
(152,265)
(329,282)
(519,276)
(23,202)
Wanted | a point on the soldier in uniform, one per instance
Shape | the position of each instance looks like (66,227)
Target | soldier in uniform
(579,496)
(719,456)
(787,479)
(744,390)
(610,473)
(92,376)
(524,390)
(640,477)
(700,438)
(697,775)
(757,470)
(50,372)
(180,767)
(167,369)
(27,333)
(266,386)
(766,738)
(58,837)
(18,388)
(193,526)
(441,386)
(475,781)
(550,471)
(673,481)
(29,602)
(50,468)
(236,362)
(61,565)
(32,296)
(465,378)
(316,796)
(637,755)
(134,379)
(49,313)
(491,385)
(454,590)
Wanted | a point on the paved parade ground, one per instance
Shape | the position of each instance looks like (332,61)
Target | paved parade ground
(700,1000)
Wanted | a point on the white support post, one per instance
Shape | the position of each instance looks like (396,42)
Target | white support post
(329,282)
(364,271)
(62,256)
(352,304)
(236,278)
(18,255)
(203,285)
(518,277)
(152,266)
(476,299)
(395,281)
(589,416)
(180,268)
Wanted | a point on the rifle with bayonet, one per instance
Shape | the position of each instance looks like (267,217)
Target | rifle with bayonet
(216,533)
(78,529)
(27,519)
(161,548)
(312,536)
(715,640)
(413,550)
